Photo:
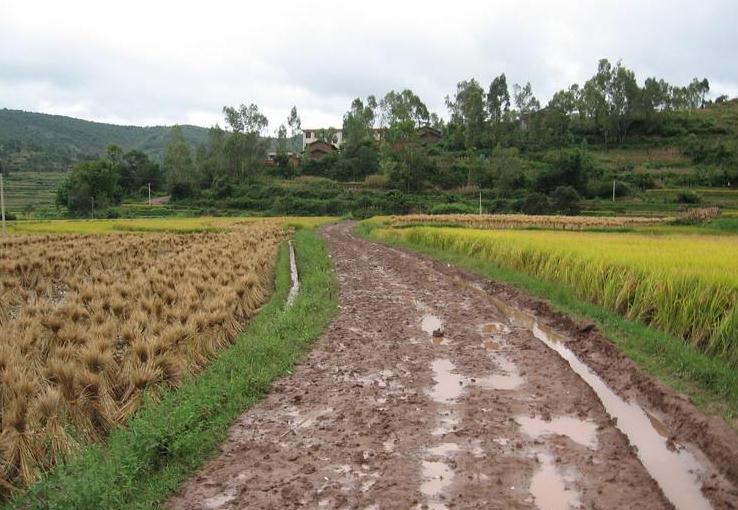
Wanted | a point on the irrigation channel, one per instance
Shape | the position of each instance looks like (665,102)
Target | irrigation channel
(294,277)
(429,391)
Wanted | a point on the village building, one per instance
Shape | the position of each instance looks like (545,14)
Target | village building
(313,135)
(318,149)
(428,135)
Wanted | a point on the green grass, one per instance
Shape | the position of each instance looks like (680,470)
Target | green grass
(142,464)
(711,383)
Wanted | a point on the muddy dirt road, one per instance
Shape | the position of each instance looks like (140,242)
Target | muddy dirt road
(425,394)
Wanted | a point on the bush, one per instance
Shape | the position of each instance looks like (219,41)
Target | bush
(687,197)
(535,203)
(182,190)
(453,209)
(566,200)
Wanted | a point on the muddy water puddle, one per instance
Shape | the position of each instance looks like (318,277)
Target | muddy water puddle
(433,326)
(450,385)
(549,487)
(676,471)
(580,431)
(437,477)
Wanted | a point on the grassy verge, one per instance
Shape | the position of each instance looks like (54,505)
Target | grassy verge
(142,464)
(711,383)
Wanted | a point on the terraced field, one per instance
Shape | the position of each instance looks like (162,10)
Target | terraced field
(25,190)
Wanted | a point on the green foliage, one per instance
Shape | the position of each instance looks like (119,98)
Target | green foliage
(358,121)
(453,209)
(566,168)
(178,166)
(92,184)
(535,203)
(687,197)
(566,200)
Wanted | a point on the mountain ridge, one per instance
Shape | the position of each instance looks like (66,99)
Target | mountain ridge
(47,142)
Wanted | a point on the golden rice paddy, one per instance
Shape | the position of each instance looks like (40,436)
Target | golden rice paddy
(686,285)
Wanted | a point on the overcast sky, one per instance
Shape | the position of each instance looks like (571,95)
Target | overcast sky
(161,62)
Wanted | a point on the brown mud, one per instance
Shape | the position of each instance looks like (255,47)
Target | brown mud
(426,392)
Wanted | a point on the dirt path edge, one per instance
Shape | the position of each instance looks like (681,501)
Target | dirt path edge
(717,440)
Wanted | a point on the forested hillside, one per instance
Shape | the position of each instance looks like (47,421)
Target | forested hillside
(41,142)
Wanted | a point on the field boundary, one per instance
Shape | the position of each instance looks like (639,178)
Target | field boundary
(142,464)
(710,383)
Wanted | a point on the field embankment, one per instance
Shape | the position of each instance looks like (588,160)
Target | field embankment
(508,221)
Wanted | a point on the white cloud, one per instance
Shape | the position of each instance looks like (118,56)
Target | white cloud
(180,62)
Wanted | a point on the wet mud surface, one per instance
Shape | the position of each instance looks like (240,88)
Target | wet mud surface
(426,392)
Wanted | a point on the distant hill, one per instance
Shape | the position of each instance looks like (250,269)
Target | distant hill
(41,142)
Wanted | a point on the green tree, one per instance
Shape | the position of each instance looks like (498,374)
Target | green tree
(498,100)
(359,121)
(525,102)
(294,122)
(245,148)
(403,107)
(281,139)
(92,183)
(468,114)
(566,200)
(178,166)
(137,170)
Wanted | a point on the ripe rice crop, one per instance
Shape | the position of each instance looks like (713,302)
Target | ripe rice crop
(685,285)
(497,221)
(89,323)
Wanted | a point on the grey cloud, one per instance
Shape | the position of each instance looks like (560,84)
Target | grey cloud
(184,68)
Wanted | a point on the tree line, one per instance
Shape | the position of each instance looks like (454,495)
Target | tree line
(498,138)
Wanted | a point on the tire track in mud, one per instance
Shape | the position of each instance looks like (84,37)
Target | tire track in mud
(422,394)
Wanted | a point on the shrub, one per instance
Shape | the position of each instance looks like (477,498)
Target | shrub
(566,200)
(454,208)
(182,190)
(535,203)
(687,197)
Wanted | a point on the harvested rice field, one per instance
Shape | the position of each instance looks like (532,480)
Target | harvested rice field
(91,322)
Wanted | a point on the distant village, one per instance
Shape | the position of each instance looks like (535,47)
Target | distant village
(318,143)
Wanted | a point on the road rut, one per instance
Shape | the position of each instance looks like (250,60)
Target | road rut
(424,394)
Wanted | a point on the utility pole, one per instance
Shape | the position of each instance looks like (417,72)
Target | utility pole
(2,199)
(480,203)
(149,193)
(613,190)
(93,206)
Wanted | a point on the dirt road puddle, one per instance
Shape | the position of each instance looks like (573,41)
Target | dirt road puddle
(548,487)
(676,471)
(433,325)
(580,431)
(449,384)
(437,477)
(509,379)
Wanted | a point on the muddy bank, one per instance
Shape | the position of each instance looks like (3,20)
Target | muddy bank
(425,394)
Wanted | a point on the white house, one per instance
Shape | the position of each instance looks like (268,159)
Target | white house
(311,135)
